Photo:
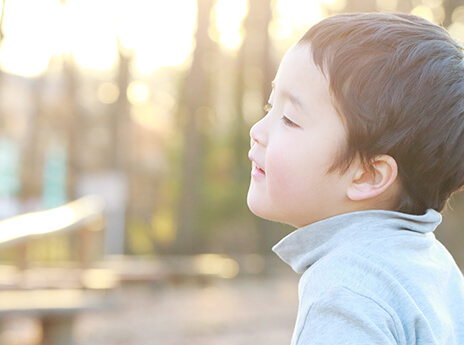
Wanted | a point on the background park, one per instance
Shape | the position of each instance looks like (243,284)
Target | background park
(124,170)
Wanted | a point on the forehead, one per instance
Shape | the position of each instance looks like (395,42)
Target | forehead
(299,76)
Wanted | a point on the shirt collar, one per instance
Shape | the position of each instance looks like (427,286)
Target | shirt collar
(303,247)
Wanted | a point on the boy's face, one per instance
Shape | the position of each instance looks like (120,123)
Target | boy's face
(294,145)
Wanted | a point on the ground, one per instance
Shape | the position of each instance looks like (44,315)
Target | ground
(239,311)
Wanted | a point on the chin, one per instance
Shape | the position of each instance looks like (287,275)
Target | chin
(257,207)
(252,205)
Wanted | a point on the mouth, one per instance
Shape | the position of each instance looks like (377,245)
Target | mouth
(256,171)
(257,168)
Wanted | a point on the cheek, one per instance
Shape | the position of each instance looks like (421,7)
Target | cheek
(286,173)
(298,173)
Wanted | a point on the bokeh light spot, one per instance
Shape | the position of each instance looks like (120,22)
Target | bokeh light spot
(458,14)
(424,12)
(137,92)
(108,93)
(456,30)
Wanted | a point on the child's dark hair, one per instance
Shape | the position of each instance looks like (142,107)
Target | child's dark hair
(397,81)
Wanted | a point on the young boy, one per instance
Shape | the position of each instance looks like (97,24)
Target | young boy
(361,148)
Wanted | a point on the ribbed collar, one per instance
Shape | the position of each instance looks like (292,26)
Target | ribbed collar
(303,247)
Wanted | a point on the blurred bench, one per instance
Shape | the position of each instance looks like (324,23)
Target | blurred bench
(56,309)
(55,294)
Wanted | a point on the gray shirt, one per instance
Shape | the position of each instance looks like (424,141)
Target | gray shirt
(375,277)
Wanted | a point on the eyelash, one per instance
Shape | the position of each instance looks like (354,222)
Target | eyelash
(287,122)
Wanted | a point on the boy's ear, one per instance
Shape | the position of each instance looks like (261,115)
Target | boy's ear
(373,179)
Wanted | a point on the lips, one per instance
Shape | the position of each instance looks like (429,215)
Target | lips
(256,166)
(257,171)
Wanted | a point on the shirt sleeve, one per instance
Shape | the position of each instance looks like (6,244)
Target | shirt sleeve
(343,316)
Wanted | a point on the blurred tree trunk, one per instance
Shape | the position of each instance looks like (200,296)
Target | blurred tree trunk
(122,139)
(450,6)
(119,168)
(404,6)
(195,100)
(73,125)
(120,121)
(31,161)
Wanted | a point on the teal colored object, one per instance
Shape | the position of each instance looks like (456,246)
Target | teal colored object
(9,168)
(54,178)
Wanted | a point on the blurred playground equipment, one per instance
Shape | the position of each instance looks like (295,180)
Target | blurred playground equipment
(34,283)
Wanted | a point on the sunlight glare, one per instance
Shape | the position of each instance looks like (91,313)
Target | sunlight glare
(229,15)
(92,33)
(29,39)
(159,32)
(295,17)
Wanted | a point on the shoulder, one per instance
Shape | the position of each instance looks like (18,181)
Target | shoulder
(344,293)
(388,295)
(344,316)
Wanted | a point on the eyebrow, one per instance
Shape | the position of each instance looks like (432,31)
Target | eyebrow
(295,100)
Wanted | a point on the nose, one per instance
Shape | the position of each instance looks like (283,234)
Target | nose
(257,133)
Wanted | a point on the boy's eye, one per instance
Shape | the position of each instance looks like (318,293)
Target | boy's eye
(288,122)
